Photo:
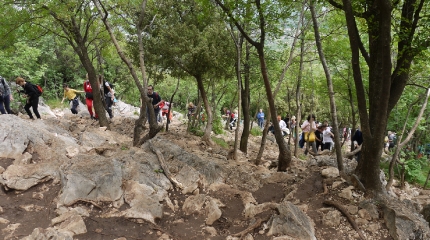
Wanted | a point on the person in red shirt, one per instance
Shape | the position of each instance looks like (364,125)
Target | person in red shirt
(89,98)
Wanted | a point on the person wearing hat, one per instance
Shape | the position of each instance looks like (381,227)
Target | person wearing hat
(391,140)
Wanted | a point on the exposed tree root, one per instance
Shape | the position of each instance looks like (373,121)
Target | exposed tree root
(350,154)
(164,166)
(83,200)
(347,215)
(251,228)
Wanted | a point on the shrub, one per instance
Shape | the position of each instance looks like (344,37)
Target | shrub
(221,142)
(256,131)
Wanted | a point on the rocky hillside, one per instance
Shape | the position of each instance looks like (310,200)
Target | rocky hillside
(63,177)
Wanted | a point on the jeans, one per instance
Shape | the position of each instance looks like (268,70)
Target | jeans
(5,100)
(261,123)
(75,104)
(32,102)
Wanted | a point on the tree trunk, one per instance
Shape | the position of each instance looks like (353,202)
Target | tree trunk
(298,104)
(330,89)
(245,103)
(170,106)
(284,158)
(239,45)
(207,135)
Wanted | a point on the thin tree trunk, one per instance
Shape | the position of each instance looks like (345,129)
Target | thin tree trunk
(401,144)
(154,128)
(239,44)
(245,103)
(330,89)
(170,106)
(207,135)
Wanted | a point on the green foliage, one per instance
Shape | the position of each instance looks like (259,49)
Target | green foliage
(414,167)
(197,131)
(217,127)
(256,131)
(221,142)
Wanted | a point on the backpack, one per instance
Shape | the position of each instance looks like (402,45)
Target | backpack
(37,88)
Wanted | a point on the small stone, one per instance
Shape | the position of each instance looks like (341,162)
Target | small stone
(336,184)
(98,230)
(4,221)
(159,233)
(1,210)
(361,221)
(352,209)
(261,232)
(1,169)
(363,213)
(210,230)
(181,220)
(121,238)
(37,195)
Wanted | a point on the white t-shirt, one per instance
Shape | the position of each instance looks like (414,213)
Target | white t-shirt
(327,135)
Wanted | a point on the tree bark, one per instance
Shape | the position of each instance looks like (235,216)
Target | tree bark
(330,89)
(207,135)
(245,103)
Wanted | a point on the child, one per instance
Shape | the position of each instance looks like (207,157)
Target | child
(70,94)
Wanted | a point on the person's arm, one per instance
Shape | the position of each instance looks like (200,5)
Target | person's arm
(64,97)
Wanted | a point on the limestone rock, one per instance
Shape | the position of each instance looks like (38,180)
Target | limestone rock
(293,222)
(330,172)
(346,193)
(331,219)
(213,212)
(403,223)
(194,204)
(211,231)
(49,234)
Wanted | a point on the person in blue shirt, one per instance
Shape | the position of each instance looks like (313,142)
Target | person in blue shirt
(260,118)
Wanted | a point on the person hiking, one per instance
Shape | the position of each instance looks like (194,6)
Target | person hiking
(32,97)
(109,95)
(308,127)
(70,94)
(5,97)
(89,98)
(156,100)
(191,110)
(260,118)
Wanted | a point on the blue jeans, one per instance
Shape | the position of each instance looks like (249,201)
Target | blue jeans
(75,104)
(5,100)
(261,123)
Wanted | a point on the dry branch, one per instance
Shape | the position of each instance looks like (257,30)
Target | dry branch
(347,215)
(164,166)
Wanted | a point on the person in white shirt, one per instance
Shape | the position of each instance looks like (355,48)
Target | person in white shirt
(283,126)
(327,138)
(307,127)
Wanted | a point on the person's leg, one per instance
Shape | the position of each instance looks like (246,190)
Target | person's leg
(27,109)
(314,147)
(75,104)
(7,104)
(2,111)
(34,104)
(109,103)
(89,103)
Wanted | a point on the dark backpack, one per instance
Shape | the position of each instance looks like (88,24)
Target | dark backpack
(38,88)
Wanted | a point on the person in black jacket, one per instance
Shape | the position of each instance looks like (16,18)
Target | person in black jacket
(32,97)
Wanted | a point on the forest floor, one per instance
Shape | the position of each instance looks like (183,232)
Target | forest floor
(36,207)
